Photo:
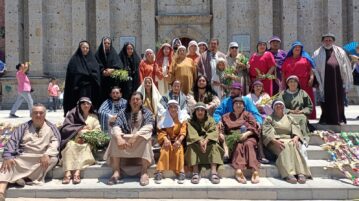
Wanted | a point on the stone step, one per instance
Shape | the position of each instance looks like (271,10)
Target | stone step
(102,170)
(317,153)
(267,189)
(338,129)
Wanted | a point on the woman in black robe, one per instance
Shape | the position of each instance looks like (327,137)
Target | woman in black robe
(108,61)
(82,78)
(131,61)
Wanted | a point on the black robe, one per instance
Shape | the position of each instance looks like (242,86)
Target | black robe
(108,59)
(131,64)
(82,80)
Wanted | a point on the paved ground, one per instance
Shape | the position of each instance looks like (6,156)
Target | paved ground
(351,113)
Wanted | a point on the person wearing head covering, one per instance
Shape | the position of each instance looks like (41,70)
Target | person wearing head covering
(203,148)
(238,62)
(176,42)
(299,63)
(298,104)
(183,69)
(355,62)
(172,130)
(110,108)
(164,59)
(202,47)
(260,99)
(149,68)
(262,67)
(333,73)
(193,51)
(175,94)
(207,62)
(131,62)
(203,92)
(283,137)
(130,151)
(241,127)
(279,56)
(151,97)
(76,154)
(31,152)
(82,78)
(219,77)
(109,61)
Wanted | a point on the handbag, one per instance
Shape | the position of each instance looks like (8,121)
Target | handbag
(355,77)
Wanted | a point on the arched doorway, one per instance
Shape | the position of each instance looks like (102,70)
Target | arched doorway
(185,41)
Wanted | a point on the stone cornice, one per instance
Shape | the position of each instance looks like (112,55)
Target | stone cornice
(183,19)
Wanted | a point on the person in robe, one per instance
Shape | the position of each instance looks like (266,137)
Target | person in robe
(130,148)
(260,99)
(193,51)
(175,94)
(299,63)
(183,69)
(172,130)
(279,56)
(243,127)
(283,137)
(76,153)
(131,62)
(203,92)
(82,78)
(203,147)
(203,47)
(226,106)
(355,63)
(238,62)
(164,59)
(262,65)
(334,75)
(207,62)
(298,104)
(110,108)
(149,68)
(109,61)
(218,79)
(31,152)
(151,97)
(176,42)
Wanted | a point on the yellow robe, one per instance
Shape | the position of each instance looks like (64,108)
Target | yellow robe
(184,71)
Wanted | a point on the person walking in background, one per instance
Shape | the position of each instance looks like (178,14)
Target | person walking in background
(54,91)
(23,89)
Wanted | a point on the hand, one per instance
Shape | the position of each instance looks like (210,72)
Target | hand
(244,136)
(203,144)
(221,137)
(177,144)
(7,165)
(310,82)
(121,143)
(132,140)
(279,144)
(220,125)
(296,141)
(112,118)
(166,144)
(110,71)
(45,161)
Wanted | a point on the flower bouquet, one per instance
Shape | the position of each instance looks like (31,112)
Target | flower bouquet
(120,75)
(264,76)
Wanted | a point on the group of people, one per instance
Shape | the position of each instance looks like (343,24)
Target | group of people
(202,107)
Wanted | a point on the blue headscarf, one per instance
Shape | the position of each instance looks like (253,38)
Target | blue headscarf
(303,53)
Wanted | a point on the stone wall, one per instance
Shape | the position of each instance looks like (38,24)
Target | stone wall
(2,30)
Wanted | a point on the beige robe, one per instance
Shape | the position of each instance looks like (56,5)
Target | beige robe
(35,146)
(79,156)
(290,161)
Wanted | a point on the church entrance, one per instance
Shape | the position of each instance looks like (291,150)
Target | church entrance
(185,41)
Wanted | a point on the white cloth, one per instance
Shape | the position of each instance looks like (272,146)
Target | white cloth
(156,97)
(167,122)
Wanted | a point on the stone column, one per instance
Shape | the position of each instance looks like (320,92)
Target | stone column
(78,22)
(354,20)
(148,25)
(335,22)
(102,20)
(36,37)
(219,26)
(289,23)
(13,35)
(265,20)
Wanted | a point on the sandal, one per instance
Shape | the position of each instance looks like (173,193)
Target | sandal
(240,178)
(215,179)
(291,179)
(195,178)
(66,179)
(76,179)
(2,197)
(301,179)
(255,177)
(113,180)
(144,180)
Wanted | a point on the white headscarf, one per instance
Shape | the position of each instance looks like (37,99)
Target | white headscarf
(167,122)
(156,97)
(149,50)
(193,42)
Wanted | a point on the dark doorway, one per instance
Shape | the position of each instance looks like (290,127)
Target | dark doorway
(185,41)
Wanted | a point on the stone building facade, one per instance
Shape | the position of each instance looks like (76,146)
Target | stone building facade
(47,32)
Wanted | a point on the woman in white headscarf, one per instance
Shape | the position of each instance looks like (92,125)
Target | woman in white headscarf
(151,97)
(193,51)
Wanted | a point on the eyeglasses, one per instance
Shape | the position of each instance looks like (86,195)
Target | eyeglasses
(234,47)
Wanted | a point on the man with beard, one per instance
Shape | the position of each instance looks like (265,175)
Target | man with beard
(227,106)
(110,108)
(333,73)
